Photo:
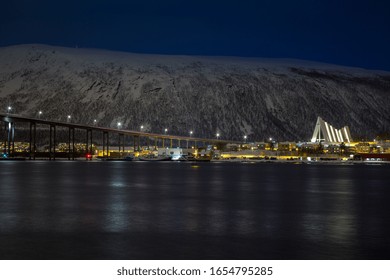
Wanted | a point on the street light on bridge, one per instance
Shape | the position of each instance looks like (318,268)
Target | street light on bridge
(217,136)
(166,131)
(191,132)
(40,114)
(68,118)
(245,137)
(141,127)
(119,125)
(9,108)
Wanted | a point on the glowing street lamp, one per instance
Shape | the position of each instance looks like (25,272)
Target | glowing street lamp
(245,137)
(9,108)
(217,135)
(166,130)
(191,132)
(141,128)
(119,125)
(68,118)
(94,122)
(40,114)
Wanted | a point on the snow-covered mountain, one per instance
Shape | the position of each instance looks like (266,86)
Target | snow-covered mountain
(260,98)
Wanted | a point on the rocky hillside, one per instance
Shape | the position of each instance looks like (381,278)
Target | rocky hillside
(233,96)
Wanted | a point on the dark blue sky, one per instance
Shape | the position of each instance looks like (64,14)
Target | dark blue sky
(355,33)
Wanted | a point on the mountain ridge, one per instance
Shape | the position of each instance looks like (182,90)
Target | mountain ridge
(233,96)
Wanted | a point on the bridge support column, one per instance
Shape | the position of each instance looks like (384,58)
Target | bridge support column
(13,139)
(8,144)
(121,143)
(105,144)
(52,143)
(69,141)
(73,149)
(5,138)
(88,145)
(32,142)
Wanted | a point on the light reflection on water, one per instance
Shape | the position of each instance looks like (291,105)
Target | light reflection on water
(213,211)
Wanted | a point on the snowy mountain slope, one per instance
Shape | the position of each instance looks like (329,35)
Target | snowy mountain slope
(234,96)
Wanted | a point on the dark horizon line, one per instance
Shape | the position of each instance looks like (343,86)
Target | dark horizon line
(200,54)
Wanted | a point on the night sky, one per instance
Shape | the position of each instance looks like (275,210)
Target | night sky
(354,33)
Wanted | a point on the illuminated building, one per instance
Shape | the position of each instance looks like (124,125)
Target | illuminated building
(324,132)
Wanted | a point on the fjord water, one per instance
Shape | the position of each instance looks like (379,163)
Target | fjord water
(178,210)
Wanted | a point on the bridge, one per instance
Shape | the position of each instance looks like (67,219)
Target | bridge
(9,121)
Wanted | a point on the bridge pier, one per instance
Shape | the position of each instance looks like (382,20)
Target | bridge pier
(71,143)
(105,144)
(33,140)
(121,143)
(9,144)
(52,142)
(88,144)
(13,139)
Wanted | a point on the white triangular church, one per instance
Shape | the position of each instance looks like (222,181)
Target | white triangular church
(327,133)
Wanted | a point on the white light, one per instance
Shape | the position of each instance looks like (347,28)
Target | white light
(346,134)
(327,130)
(69,116)
(245,136)
(270,139)
(142,127)
(40,112)
(9,108)
(333,134)
(191,132)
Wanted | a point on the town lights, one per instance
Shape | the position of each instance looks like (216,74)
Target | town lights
(68,118)
(40,114)
(245,137)
(9,108)
(166,130)
(119,125)
(217,135)
(191,132)
(141,127)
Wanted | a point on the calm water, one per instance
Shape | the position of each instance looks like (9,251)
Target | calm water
(169,210)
